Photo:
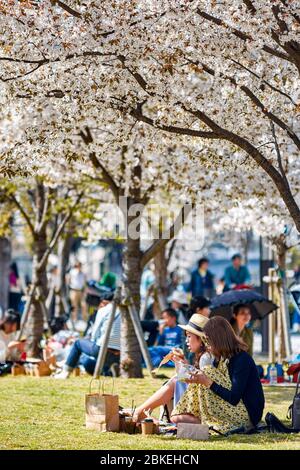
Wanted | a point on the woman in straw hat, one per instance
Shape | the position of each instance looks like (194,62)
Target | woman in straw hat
(227,394)
(195,339)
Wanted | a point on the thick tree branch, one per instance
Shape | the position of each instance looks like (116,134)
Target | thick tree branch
(272,87)
(60,228)
(255,100)
(168,235)
(171,251)
(249,6)
(241,35)
(65,7)
(264,163)
(137,76)
(220,133)
(278,153)
(138,114)
(107,178)
(44,218)
(15,201)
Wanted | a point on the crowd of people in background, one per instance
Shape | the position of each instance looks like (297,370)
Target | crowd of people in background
(163,332)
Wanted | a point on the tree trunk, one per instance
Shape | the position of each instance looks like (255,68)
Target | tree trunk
(132,272)
(64,249)
(161,282)
(35,326)
(5,260)
(130,350)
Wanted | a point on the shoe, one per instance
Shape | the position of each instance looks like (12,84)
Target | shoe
(63,375)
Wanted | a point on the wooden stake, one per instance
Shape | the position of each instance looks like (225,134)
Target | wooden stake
(103,348)
(271,273)
(139,332)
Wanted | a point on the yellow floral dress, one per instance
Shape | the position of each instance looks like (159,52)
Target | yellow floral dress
(211,409)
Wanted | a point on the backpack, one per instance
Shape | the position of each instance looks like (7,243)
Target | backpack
(275,425)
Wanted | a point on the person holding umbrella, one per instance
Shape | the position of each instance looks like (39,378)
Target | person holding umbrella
(239,307)
(239,321)
(223,305)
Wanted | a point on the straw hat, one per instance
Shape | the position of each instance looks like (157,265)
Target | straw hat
(196,324)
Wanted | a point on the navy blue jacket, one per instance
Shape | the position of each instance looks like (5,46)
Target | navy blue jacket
(246,386)
(198,284)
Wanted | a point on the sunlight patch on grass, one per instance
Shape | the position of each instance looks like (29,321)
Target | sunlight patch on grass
(49,414)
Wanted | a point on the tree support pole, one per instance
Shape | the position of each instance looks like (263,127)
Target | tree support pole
(103,348)
(139,332)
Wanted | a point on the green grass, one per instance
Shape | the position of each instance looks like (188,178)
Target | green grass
(49,414)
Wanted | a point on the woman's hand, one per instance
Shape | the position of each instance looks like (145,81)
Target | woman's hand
(19,345)
(199,378)
(178,356)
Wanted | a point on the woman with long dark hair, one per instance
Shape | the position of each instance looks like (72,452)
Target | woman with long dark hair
(239,322)
(229,392)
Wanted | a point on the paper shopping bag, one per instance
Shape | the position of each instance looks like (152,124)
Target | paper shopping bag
(102,411)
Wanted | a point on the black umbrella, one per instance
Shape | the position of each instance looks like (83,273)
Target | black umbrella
(259,305)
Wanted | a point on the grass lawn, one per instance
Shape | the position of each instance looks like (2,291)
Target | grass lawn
(49,414)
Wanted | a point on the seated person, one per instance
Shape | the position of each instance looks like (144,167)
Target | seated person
(150,328)
(179,302)
(240,319)
(105,299)
(227,394)
(11,349)
(173,389)
(201,305)
(85,351)
(170,337)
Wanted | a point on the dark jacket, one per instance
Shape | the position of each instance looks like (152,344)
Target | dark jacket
(199,285)
(246,386)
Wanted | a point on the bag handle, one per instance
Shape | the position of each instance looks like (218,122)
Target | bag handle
(289,412)
(100,382)
(112,387)
(297,385)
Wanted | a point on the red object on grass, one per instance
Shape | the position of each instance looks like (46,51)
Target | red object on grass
(242,286)
(280,380)
(294,370)
(23,356)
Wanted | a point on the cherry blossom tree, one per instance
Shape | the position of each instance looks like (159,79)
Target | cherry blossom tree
(46,210)
(226,75)
(154,95)
(5,253)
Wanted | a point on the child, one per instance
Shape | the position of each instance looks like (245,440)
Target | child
(170,337)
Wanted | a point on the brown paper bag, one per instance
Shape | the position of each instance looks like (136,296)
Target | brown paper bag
(41,369)
(18,369)
(102,410)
